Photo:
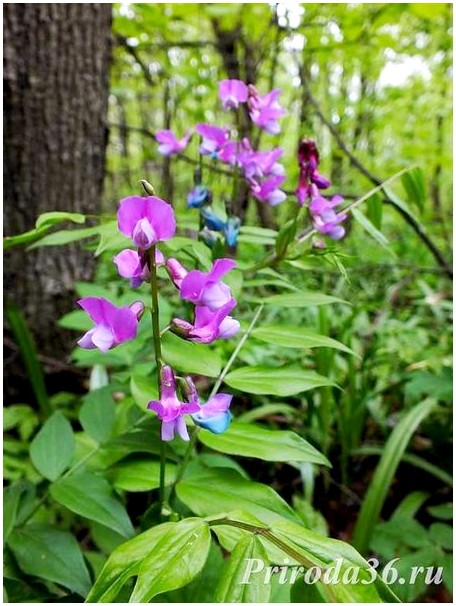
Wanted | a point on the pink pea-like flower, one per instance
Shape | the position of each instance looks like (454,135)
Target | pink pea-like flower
(208,325)
(232,93)
(146,220)
(169,144)
(326,221)
(269,190)
(113,325)
(214,138)
(133,265)
(169,409)
(265,110)
(206,289)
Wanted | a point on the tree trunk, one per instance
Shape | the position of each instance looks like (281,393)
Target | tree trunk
(56,62)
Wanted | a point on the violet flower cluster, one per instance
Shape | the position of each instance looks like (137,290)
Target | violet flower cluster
(322,211)
(147,221)
(261,169)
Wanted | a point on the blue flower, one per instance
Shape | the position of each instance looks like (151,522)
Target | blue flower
(231,230)
(214,415)
(211,220)
(198,196)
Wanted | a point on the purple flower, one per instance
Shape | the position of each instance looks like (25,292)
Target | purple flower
(228,153)
(325,219)
(308,159)
(170,410)
(169,144)
(133,264)
(265,110)
(260,163)
(213,139)
(113,325)
(206,289)
(146,220)
(232,92)
(176,271)
(268,191)
(208,325)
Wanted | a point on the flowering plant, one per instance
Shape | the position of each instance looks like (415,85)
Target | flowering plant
(170,331)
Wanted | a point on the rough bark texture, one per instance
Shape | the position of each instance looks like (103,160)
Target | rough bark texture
(56,62)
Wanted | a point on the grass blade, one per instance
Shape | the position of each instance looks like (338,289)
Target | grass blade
(392,454)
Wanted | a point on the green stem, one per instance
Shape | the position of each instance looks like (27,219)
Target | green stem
(272,538)
(222,375)
(155,315)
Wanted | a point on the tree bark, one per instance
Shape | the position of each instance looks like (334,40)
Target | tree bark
(56,63)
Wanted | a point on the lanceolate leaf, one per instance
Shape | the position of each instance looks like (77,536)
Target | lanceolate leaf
(293,336)
(248,440)
(50,554)
(124,562)
(190,357)
(175,560)
(284,381)
(234,587)
(301,299)
(91,496)
(219,491)
(52,448)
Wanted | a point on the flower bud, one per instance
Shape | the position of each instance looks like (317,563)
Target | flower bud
(176,271)
(138,309)
(148,188)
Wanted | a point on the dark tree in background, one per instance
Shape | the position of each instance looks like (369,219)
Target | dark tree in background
(56,64)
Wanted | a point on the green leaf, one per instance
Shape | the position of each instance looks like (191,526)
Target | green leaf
(66,236)
(375,210)
(53,446)
(11,499)
(91,497)
(187,357)
(26,238)
(266,410)
(232,588)
(415,187)
(410,505)
(285,236)
(24,339)
(249,440)
(52,218)
(301,299)
(372,230)
(124,562)
(176,559)
(141,475)
(143,389)
(98,413)
(229,491)
(293,336)
(442,534)
(384,473)
(325,553)
(50,554)
(442,512)
(283,381)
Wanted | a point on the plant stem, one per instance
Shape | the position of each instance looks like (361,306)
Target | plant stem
(154,311)
(272,538)
(219,381)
